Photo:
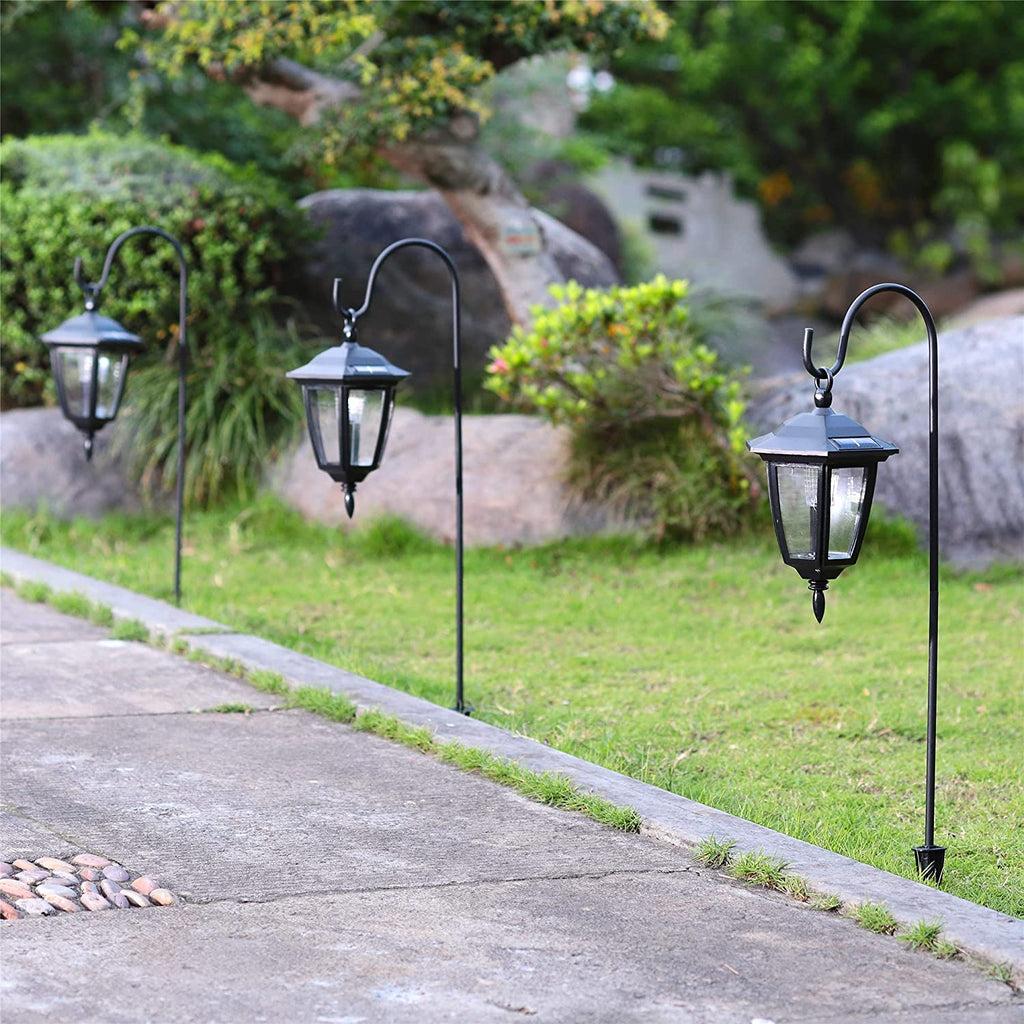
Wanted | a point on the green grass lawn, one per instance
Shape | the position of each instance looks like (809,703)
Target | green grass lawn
(700,670)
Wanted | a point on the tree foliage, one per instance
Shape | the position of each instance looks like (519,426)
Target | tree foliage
(869,115)
(414,63)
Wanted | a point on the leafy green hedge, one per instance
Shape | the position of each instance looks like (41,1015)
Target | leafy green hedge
(66,196)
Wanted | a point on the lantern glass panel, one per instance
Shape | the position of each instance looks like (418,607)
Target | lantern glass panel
(110,369)
(365,417)
(326,424)
(846,504)
(798,506)
(76,374)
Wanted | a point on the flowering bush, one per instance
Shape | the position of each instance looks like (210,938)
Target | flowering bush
(655,418)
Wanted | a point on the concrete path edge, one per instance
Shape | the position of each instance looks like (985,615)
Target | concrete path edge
(984,933)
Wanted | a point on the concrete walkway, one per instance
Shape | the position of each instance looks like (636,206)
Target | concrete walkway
(326,875)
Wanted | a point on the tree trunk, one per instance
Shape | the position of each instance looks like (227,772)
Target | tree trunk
(492,211)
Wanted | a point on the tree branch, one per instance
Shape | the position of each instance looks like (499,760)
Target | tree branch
(298,90)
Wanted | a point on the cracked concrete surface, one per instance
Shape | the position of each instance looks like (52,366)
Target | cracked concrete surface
(333,876)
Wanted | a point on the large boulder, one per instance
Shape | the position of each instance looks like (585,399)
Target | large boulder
(410,317)
(42,461)
(513,493)
(981,433)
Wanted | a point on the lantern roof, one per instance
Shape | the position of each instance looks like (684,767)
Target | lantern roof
(822,435)
(349,363)
(90,330)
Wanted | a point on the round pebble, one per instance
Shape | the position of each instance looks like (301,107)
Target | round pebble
(144,885)
(69,906)
(93,901)
(116,873)
(90,874)
(91,887)
(35,907)
(6,869)
(56,890)
(162,897)
(12,887)
(109,888)
(23,865)
(31,877)
(54,864)
(11,913)
(136,899)
(89,860)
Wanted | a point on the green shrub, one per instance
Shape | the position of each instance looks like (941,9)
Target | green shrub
(655,419)
(67,196)
(240,410)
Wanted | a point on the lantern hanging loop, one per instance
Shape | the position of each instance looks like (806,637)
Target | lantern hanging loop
(823,395)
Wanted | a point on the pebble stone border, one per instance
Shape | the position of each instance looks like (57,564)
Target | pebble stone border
(49,885)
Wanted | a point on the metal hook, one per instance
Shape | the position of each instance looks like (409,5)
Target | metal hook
(89,288)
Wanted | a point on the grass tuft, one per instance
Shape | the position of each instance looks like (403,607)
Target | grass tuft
(826,901)
(38,592)
(231,709)
(1001,972)
(130,629)
(922,935)
(713,853)
(876,917)
(323,702)
(268,682)
(758,868)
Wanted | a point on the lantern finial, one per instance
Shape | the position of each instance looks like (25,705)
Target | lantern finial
(818,588)
(350,499)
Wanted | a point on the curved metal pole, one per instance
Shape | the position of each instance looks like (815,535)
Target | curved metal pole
(92,292)
(930,857)
(352,315)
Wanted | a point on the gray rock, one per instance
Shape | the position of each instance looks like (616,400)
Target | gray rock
(513,468)
(981,433)
(42,460)
(410,318)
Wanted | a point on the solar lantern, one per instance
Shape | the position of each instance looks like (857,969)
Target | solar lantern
(90,355)
(349,395)
(821,479)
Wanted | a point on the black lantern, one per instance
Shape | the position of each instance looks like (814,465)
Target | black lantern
(821,478)
(89,355)
(349,394)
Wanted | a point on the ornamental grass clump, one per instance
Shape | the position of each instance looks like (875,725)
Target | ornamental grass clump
(655,418)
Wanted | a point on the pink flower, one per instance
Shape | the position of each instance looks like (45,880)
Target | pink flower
(498,366)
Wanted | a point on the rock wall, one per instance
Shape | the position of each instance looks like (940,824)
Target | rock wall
(512,481)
